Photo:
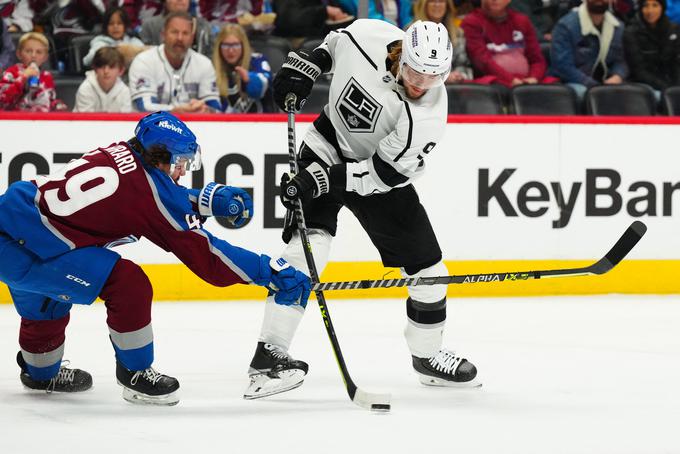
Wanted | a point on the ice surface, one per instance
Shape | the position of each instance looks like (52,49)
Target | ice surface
(561,375)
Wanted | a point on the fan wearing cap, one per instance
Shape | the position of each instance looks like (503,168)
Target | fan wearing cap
(386,112)
(56,235)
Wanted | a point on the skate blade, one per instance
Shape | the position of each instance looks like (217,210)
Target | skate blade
(263,385)
(30,390)
(137,398)
(434,381)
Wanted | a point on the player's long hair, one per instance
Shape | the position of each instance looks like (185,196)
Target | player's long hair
(449,21)
(394,56)
(153,157)
(222,69)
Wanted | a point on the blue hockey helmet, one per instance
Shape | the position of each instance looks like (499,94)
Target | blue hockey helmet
(166,130)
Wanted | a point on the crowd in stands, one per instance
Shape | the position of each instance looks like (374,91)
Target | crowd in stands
(218,56)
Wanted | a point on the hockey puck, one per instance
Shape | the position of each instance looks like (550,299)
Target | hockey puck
(380,407)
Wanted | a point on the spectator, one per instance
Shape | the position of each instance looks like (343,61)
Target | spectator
(172,76)
(116,26)
(443,12)
(396,12)
(140,10)
(20,15)
(6,47)
(538,14)
(24,86)
(218,12)
(243,77)
(103,90)
(151,33)
(652,47)
(306,18)
(587,47)
(503,47)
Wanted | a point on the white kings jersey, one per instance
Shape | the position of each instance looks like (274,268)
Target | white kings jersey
(381,134)
(156,85)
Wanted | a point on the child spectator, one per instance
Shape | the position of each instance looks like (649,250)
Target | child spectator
(243,77)
(116,26)
(652,46)
(443,12)
(24,86)
(103,90)
(587,47)
(503,47)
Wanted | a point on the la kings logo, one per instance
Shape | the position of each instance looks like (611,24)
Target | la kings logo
(358,110)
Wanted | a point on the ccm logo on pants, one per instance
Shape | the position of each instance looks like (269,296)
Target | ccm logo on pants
(78,280)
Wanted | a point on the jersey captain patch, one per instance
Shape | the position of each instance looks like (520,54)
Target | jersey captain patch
(358,110)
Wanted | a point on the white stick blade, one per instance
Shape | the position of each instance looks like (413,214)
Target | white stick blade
(373,402)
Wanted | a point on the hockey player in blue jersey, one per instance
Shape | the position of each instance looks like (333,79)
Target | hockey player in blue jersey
(53,233)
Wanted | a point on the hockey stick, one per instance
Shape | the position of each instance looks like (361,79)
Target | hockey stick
(622,247)
(370,401)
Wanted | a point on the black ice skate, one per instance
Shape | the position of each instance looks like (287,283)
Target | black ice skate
(147,386)
(66,381)
(273,371)
(446,369)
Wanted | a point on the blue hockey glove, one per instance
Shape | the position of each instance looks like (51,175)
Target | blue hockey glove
(289,285)
(227,201)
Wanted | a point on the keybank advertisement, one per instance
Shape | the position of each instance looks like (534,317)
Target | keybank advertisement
(492,191)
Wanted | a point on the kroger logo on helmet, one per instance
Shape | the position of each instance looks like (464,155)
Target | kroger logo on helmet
(167,125)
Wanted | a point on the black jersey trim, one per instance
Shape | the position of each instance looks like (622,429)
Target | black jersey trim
(410,127)
(327,130)
(360,175)
(354,41)
(387,174)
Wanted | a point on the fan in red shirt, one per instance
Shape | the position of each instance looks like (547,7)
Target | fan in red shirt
(502,46)
(25,86)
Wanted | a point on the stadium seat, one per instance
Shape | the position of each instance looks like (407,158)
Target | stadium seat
(317,99)
(545,50)
(671,101)
(475,99)
(550,99)
(79,47)
(624,99)
(275,50)
(67,87)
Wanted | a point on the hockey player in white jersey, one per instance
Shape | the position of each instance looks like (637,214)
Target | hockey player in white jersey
(386,112)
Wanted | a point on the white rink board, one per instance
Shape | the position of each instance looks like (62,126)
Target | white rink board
(547,154)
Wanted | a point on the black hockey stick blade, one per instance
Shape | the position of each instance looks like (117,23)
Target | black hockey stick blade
(618,252)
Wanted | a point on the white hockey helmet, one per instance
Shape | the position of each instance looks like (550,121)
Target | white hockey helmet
(427,53)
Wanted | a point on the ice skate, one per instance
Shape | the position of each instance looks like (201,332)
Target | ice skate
(273,371)
(147,386)
(66,381)
(446,369)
